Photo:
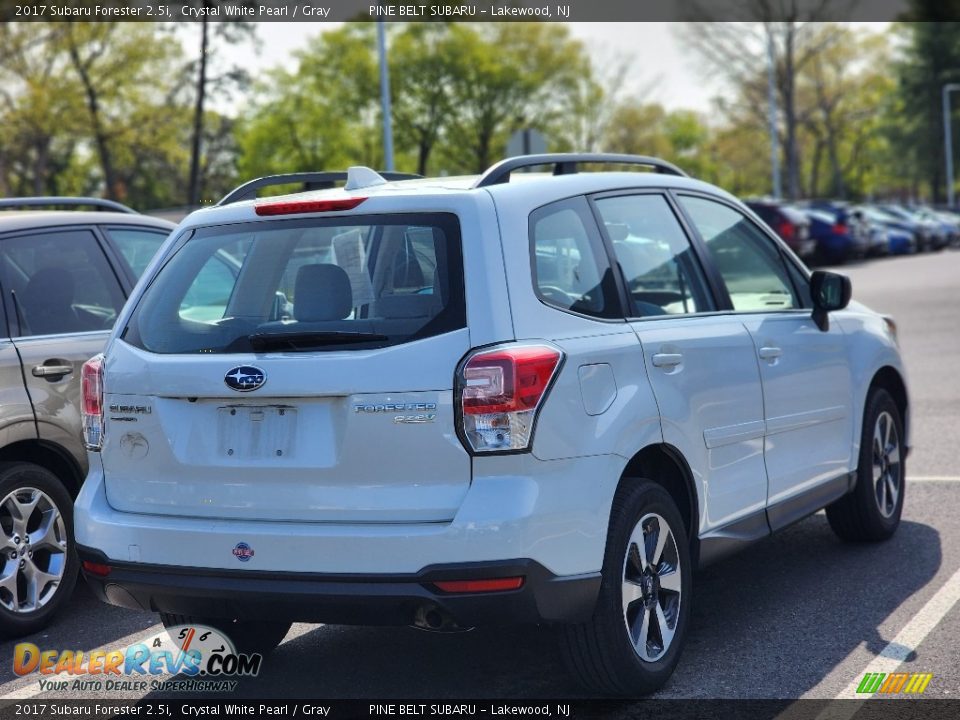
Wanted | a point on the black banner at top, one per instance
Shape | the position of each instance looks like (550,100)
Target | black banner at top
(320,11)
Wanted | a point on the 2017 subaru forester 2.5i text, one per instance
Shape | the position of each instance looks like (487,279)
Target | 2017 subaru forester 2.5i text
(523,397)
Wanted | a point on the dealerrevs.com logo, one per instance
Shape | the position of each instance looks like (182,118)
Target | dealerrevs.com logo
(204,656)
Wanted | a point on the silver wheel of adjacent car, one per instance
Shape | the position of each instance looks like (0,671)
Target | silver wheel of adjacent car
(34,549)
(886,464)
(652,587)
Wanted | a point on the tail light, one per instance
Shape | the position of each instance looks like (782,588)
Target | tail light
(839,229)
(91,388)
(786,230)
(500,392)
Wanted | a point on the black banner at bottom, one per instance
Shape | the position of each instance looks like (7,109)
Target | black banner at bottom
(901,709)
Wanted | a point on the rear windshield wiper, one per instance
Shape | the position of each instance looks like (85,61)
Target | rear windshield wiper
(309,338)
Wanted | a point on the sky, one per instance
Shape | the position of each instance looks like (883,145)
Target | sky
(661,70)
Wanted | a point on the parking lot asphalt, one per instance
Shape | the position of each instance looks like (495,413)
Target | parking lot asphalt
(799,615)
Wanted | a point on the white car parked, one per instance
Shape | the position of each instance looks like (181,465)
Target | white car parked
(537,398)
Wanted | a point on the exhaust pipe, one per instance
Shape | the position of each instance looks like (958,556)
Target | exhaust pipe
(433,618)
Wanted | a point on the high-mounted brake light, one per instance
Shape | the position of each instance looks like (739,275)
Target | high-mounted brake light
(91,389)
(307,206)
(501,391)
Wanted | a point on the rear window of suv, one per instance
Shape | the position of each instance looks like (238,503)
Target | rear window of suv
(341,283)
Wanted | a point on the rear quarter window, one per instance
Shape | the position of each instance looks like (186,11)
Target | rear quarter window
(571,270)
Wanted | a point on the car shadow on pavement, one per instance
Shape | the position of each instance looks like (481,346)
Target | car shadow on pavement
(773,621)
(770,622)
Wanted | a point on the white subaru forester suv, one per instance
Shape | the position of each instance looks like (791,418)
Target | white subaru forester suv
(532,398)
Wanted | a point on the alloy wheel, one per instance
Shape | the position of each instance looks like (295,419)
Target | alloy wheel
(651,590)
(886,464)
(33,550)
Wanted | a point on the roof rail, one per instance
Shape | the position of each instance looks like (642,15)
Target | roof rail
(310,180)
(566,164)
(98,203)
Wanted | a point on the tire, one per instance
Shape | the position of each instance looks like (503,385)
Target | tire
(872,511)
(36,533)
(248,636)
(600,653)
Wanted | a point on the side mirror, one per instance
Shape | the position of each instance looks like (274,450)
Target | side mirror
(830,291)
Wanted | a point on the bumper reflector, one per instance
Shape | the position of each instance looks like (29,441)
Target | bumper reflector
(96,568)
(480,586)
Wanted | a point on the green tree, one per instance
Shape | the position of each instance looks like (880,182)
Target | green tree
(512,75)
(637,128)
(212,80)
(738,51)
(130,111)
(679,136)
(39,131)
(843,92)
(424,63)
(589,106)
(323,115)
(458,91)
(931,59)
(738,166)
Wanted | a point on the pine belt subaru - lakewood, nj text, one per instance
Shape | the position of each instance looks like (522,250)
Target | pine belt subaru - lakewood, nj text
(513,398)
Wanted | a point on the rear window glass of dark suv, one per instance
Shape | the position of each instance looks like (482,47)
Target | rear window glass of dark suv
(345,283)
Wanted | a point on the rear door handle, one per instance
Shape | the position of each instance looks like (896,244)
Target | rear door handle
(666,359)
(51,371)
(768,352)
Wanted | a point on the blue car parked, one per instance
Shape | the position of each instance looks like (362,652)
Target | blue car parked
(836,242)
(901,236)
(901,242)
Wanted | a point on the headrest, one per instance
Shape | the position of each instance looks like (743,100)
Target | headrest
(322,292)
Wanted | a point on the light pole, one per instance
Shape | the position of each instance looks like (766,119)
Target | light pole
(948,139)
(385,98)
(772,106)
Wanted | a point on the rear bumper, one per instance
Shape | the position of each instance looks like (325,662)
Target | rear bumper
(554,513)
(543,520)
(348,599)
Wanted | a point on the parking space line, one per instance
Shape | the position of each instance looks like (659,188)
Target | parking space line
(913,633)
(898,650)
(903,647)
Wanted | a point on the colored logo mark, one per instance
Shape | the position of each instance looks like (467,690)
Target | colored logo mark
(893,683)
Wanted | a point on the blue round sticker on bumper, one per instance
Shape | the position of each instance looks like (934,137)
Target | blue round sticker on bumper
(243,552)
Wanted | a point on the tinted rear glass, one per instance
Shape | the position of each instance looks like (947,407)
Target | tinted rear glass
(305,285)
